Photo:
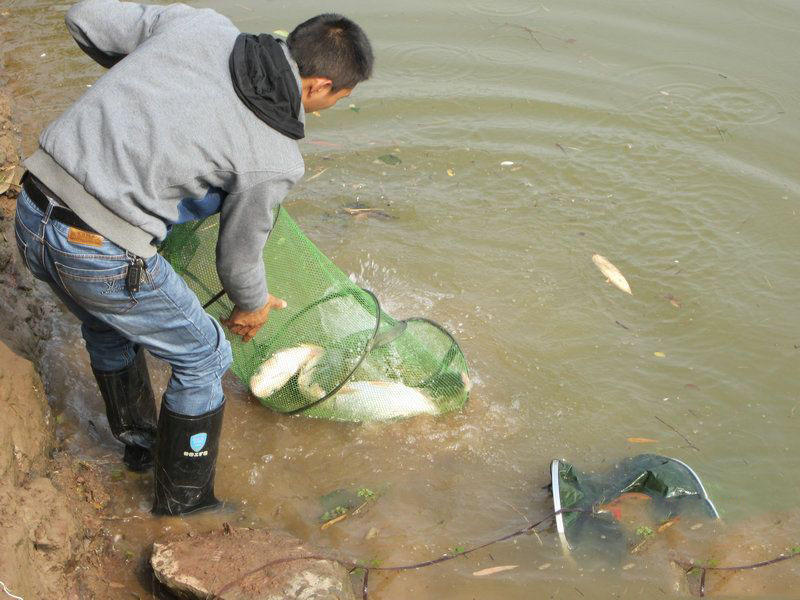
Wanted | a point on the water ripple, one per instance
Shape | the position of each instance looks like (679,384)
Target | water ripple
(505,9)
(415,61)
(773,14)
(694,100)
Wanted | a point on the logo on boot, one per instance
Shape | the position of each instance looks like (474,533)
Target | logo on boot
(196,442)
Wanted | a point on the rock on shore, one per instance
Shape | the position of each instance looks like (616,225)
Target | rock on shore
(248,564)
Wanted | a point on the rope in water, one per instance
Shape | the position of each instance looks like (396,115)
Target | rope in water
(352,566)
(690,567)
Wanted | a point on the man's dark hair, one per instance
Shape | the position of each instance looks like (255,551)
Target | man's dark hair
(332,46)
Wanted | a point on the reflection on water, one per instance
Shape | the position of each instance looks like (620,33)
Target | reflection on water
(661,135)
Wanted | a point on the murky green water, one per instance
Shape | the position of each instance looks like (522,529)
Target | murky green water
(662,135)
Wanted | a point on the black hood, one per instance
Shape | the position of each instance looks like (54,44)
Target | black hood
(265,82)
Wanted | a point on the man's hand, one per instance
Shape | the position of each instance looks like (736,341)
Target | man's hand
(247,323)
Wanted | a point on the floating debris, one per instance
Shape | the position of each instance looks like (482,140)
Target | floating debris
(451,173)
(390,159)
(673,300)
(317,174)
(367,212)
(641,440)
(493,570)
(507,163)
(612,273)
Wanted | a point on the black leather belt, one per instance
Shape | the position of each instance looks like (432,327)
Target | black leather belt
(31,185)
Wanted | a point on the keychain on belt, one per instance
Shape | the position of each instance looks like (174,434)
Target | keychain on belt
(134,277)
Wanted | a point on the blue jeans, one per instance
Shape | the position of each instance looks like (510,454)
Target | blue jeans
(164,316)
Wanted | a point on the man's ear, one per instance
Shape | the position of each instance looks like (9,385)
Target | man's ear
(321,85)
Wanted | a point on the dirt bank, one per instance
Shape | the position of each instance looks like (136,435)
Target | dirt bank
(51,532)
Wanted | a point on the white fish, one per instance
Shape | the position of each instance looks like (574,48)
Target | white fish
(309,388)
(276,371)
(378,400)
(611,272)
(323,372)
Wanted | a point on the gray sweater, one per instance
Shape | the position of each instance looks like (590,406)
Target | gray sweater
(144,146)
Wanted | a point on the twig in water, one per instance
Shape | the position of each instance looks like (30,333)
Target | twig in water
(315,175)
(685,439)
(530,32)
(366,211)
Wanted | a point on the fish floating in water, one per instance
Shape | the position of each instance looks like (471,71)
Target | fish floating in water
(612,273)
(279,369)
(378,400)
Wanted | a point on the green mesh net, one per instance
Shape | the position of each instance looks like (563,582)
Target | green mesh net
(332,353)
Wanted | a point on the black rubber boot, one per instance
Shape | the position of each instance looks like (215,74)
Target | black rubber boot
(131,410)
(186,458)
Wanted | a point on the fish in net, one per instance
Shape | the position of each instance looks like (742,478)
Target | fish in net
(333,353)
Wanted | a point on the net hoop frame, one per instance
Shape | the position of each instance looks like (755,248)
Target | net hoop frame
(449,355)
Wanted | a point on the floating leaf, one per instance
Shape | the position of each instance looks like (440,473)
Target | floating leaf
(451,173)
(316,113)
(493,570)
(390,159)
(644,531)
(354,108)
(281,32)
(366,493)
(659,354)
(611,272)
(640,440)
